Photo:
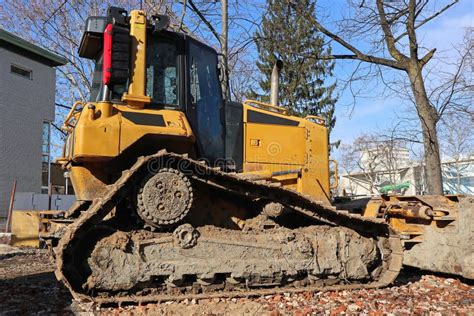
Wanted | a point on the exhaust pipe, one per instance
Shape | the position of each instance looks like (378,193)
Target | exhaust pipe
(275,82)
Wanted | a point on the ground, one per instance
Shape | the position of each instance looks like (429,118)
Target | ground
(28,285)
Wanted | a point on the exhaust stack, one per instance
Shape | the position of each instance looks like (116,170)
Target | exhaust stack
(275,82)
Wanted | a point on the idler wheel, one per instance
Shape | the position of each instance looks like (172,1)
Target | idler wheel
(164,198)
(186,236)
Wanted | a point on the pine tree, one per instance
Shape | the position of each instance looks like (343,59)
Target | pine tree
(288,34)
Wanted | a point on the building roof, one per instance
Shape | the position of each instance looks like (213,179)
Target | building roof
(23,47)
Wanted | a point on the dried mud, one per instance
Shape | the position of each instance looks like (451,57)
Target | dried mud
(28,286)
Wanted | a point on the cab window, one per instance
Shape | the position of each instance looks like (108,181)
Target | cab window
(205,100)
(204,84)
(162,80)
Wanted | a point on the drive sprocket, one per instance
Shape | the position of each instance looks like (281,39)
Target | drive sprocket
(164,198)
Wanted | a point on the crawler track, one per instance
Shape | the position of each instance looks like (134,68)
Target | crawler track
(94,225)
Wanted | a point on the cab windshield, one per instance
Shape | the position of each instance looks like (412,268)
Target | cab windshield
(162,80)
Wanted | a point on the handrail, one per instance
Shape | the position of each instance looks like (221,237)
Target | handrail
(319,119)
(268,106)
(66,126)
(336,175)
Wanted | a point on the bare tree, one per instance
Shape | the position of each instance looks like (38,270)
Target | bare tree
(348,163)
(374,159)
(458,147)
(242,74)
(450,92)
(362,157)
(390,28)
(235,15)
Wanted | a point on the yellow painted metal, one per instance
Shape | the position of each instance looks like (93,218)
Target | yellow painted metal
(96,136)
(99,137)
(296,156)
(29,225)
(299,150)
(67,125)
(411,215)
(422,207)
(373,208)
(136,96)
(176,127)
(88,179)
(266,106)
(25,228)
(315,174)
(269,144)
(105,108)
(290,181)
(410,227)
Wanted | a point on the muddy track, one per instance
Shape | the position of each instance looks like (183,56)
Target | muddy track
(388,243)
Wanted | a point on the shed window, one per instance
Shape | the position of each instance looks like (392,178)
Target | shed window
(46,146)
(21,71)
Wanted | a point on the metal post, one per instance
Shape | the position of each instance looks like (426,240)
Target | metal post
(66,177)
(105,93)
(10,208)
(50,196)
(224,47)
(275,82)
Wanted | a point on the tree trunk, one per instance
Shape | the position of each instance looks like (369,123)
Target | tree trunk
(428,118)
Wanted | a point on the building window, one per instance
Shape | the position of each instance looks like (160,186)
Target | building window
(46,156)
(21,71)
(46,145)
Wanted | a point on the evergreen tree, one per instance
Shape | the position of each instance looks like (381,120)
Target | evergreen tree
(288,34)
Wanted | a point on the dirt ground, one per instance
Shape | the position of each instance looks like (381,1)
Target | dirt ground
(28,286)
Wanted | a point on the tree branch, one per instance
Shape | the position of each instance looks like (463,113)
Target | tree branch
(410,25)
(55,11)
(394,52)
(454,82)
(427,57)
(427,19)
(183,14)
(357,53)
(203,19)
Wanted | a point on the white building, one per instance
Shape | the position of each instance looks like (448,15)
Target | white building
(384,171)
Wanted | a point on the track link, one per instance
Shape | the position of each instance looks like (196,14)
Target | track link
(68,250)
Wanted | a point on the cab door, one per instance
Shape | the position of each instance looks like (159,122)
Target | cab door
(204,104)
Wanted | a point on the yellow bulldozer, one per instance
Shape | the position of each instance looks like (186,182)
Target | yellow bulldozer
(182,194)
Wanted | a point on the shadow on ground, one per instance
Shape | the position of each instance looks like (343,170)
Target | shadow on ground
(33,294)
(407,275)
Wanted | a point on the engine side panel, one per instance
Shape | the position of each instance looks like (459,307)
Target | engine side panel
(287,149)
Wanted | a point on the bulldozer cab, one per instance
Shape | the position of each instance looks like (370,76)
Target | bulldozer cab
(181,73)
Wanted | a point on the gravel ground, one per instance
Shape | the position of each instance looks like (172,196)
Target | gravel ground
(28,286)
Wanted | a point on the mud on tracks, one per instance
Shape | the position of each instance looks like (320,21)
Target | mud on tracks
(28,286)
